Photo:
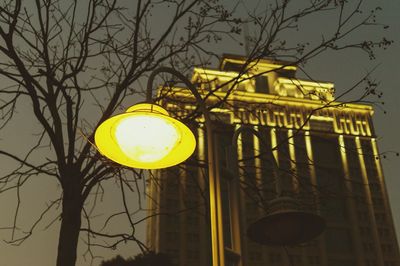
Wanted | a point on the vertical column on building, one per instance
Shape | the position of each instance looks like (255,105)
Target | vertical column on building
(295,179)
(284,188)
(321,240)
(374,228)
(257,164)
(244,245)
(234,191)
(351,205)
(292,154)
(275,154)
(385,197)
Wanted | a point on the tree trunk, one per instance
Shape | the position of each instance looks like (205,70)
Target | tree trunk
(70,226)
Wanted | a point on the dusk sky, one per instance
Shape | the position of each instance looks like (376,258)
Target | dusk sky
(342,69)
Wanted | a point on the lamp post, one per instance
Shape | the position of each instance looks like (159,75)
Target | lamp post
(114,134)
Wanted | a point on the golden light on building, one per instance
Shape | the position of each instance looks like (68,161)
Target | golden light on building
(327,161)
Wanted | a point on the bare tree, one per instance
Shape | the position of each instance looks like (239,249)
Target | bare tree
(62,57)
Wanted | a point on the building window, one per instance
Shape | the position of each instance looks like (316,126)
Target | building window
(192,254)
(275,259)
(387,249)
(369,247)
(313,261)
(338,241)
(262,84)
(255,256)
(370,263)
(192,237)
(335,262)
(295,260)
(172,236)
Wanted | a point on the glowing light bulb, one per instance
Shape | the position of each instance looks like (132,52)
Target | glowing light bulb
(146,139)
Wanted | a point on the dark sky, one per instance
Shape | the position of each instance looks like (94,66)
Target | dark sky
(388,126)
(344,70)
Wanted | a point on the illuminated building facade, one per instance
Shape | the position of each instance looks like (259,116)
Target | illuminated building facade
(328,161)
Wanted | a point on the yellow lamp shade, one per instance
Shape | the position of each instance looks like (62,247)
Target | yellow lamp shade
(145,137)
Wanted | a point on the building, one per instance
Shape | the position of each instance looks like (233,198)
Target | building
(328,161)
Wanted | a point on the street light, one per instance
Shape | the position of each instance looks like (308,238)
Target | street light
(133,138)
(285,224)
(116,139)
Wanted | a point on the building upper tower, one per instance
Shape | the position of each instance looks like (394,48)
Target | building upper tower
(328,161)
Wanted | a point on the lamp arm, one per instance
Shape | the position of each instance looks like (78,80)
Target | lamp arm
(200,101)
(275,167)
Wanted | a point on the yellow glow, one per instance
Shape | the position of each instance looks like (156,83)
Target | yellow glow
(310,156)
(274,144)
(344,161)
(377,161)
(322,118)
(255,97)
(257,160)
(305,83)
(201,155)
(369,201)
(201,152)
(304,88)
(240,157)
(139,137)
(145,137)
(295,112)
(292,153)
(263,64)
(211,73)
